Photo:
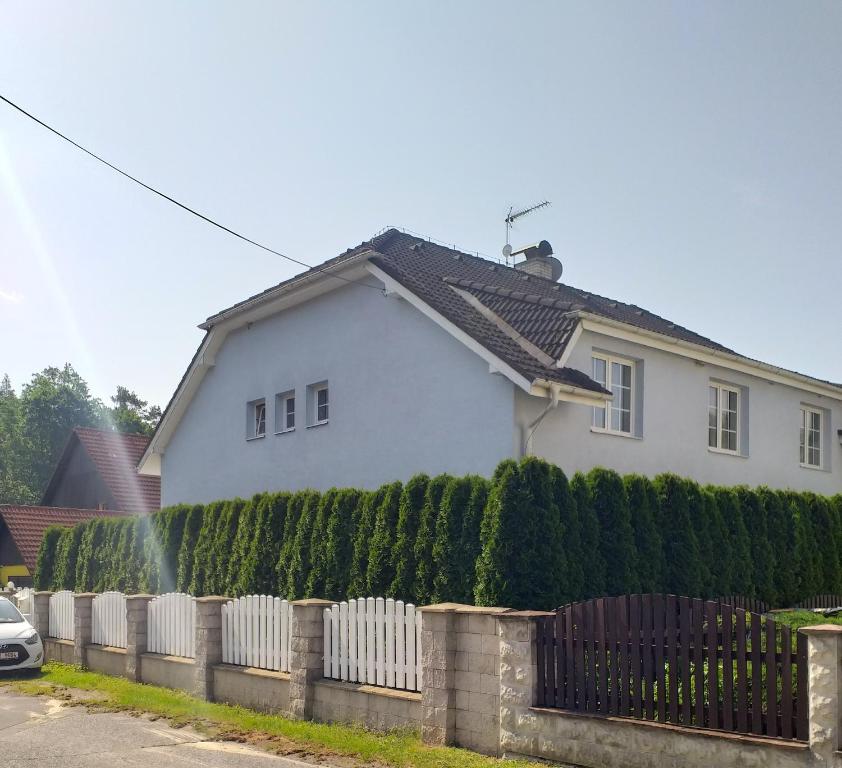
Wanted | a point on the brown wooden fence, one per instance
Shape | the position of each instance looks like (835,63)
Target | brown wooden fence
(821,601)
(676,660)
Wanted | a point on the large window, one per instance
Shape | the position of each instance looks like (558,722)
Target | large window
(811,437)
(723,418)
(616,376)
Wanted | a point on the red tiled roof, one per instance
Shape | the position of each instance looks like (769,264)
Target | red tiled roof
(115,456)
(27,525)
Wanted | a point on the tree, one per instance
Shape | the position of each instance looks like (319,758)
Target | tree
(301,557)
(698,511)
(339,543)
(589,534)
(201,572)
(266,543)
(423,550)
(363,529)
(781,526)
(16,479)
(447,554)
(754,515)
(409,516)
(287,549)
(643,508)
(132,415)
(381,569)
(470,545)
(741,571)
(45,563)
(238,579)
(318,551)
(616,541)
(722,560)
(189,539)
(681,549)
(572,582)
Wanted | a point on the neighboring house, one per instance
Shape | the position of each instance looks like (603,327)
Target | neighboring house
(402,356)
(98,470)
(21,531)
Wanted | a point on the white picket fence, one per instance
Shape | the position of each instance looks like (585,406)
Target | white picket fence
(170,625)
(257,632)
(374,641)
(23,599)
(61,615)
(108,619)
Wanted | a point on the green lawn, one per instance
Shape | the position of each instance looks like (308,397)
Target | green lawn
(279,734)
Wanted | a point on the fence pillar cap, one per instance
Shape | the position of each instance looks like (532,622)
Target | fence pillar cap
(141,596)
(314,601)
(77,595)
(526,614)
(213,599)
(463,608)
(822,629)
(45,592)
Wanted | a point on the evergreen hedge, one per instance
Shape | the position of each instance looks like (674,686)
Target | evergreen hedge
(526,538)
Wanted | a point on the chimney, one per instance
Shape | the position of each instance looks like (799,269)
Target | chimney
(539,261)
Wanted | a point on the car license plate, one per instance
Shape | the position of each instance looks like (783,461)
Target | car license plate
(9,655)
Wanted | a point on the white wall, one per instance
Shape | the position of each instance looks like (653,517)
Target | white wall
(405,397)
(674,427)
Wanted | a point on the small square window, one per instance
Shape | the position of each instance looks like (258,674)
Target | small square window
(255,419)
(285,411)
(318,404)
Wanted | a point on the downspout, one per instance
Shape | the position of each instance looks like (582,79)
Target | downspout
(533,427)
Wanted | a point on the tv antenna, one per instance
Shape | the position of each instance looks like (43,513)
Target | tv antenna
(512,216)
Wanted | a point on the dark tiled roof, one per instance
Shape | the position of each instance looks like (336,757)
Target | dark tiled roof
(27,525)
(116,457)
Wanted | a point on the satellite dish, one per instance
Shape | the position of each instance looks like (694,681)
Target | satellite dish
(507,250)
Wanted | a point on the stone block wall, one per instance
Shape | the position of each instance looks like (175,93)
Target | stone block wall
(378,708)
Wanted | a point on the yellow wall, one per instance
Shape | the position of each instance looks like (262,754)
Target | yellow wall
(12,572)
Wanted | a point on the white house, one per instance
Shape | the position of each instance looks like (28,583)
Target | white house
(402,356)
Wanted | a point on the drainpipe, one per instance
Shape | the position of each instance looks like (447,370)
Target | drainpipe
(533,427)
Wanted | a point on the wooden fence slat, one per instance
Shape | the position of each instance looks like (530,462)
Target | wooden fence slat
(786,682)
(802,686)
(711,616)
(672,655)
(599,642)
(579,643)
(771,679)
(411,650)
(646,625)
(756,675)
(698,663)
(686,650)
(728,667)
(541,661)
(591,654)
(742,671)
(658,627)
(625,661)
(400,644)
(389,642)
(560,658)
(611,653)
(549,661)
(635,655)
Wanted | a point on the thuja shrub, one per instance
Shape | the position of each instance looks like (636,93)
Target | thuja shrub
(526,538)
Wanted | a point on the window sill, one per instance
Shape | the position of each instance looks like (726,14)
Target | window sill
(614,433)
(255,437)
(812,466)
(285,431)
(318,424)
(723,452)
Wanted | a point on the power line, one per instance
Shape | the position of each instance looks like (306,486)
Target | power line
(176,202)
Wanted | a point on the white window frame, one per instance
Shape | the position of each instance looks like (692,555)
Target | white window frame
(316,405)
(729,388)
(253,408)
(607,429)
(809,410)
(281,400)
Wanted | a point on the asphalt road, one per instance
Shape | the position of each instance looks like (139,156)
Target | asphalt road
(46,733)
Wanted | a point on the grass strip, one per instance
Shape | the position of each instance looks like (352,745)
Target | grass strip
(279,734)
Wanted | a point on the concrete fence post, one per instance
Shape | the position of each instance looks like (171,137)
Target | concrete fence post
(82,626)
(438,670)
(137,614)
(208,643)
(518,682)
(306,659)
(41,613)
(824,657)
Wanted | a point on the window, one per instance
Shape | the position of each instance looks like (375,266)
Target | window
(321,405)
(811,437)
(318,404)
(285,412)
(723,418)
(255,419)
(616,376)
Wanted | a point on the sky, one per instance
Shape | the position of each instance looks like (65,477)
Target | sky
(691,153)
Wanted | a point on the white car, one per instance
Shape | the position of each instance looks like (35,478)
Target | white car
(20,645)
